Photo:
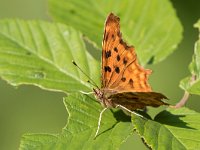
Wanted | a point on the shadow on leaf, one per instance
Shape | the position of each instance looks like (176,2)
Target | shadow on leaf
(92,49)
(100,133)
(165,117)
(120,116)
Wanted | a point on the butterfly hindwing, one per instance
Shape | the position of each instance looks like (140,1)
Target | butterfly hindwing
(138,100)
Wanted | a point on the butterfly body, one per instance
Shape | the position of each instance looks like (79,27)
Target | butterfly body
(124,83)
(103,95)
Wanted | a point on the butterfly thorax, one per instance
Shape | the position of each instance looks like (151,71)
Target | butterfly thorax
(102,96)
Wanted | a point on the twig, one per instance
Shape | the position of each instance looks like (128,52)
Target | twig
(182,102)
(186,95)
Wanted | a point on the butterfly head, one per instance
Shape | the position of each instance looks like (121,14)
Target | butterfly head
(99,94)
(102,95)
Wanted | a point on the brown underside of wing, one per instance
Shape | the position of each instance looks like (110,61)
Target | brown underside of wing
(138,100)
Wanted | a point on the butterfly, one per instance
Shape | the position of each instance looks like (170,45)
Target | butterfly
(124,83)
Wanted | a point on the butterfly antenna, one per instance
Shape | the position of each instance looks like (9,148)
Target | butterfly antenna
(90,80)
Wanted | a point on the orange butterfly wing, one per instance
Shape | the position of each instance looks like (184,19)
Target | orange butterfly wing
(120,68)
(124,81)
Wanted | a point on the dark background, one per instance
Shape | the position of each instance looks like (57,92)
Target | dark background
(28,109)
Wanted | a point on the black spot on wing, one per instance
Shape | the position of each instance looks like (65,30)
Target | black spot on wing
(126,46)
(107,69)
(123,79)
(108,54)
(125,61)
(118,58)
(115,49)
(113,37)
(131,82)
(121,41)
(117,70)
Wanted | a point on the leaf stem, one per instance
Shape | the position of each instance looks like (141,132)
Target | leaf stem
(182,102)
(186,95)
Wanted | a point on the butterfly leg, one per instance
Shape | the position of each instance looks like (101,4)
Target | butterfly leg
(99,122)
(87,93)
(132,112)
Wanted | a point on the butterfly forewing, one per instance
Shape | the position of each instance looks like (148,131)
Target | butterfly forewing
(120,68)
(109,47)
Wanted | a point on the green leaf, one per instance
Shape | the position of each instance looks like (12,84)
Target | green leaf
(192,82)
(173,129)
(38,141)
(41,53)
(81,127)
(151,26)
